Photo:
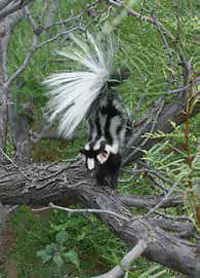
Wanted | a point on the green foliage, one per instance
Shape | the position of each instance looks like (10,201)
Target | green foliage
(58,253)
(177,159)
(48,243)
(60,244)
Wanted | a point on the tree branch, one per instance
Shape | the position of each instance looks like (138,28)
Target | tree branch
(126,262)
(149,201)
(173,111)
(12,8)
(5,3)
(55,182)
(148,19)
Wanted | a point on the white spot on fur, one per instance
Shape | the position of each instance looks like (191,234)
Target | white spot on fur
(90,163)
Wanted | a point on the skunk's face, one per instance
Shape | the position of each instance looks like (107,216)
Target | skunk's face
(95,153)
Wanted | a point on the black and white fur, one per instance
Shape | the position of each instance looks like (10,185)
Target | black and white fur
(90,93)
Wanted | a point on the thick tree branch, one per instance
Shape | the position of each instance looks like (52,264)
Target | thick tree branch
(149,201)
(53,182)
(4,3)
(12,6)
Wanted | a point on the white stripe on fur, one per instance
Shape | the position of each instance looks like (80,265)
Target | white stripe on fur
(72,93)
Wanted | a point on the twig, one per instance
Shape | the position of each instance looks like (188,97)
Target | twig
(154,172)
(12,208)
(148,19)
(178,90)
(162,201)
(52,206)
(15,165)
(42,13)
(58,35)
(125,265)
(142,9)
(186,65)
(156,183)
(173,217)
(25,62)
(75,17)
(34,46)
(146,139)
(30,18)
(165,42)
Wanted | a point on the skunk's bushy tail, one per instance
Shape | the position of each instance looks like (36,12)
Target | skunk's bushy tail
(72,93)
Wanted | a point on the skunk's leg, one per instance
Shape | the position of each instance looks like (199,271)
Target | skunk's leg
(107,173)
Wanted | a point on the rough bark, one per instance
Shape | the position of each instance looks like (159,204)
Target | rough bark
(39,185)
(8,7)
(20,126)
(6,26)
(4,38)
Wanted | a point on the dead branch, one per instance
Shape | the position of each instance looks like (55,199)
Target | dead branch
(126,262)
(52,206)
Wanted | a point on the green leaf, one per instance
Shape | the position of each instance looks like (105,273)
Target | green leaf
(72,256)
(50,249)
(61,237)
(58,261)
(44,256)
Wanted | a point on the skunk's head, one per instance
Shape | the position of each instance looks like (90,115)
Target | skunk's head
(95,153)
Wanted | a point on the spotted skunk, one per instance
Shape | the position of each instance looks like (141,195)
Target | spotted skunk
(90,93)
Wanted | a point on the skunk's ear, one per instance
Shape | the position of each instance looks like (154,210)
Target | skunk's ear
(103,156)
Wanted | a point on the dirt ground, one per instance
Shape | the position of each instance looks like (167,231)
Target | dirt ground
(7,242)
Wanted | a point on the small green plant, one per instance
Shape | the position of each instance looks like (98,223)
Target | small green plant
(58,254)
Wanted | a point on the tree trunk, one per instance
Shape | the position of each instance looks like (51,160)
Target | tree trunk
(6,26)
(4,39)
(20,126)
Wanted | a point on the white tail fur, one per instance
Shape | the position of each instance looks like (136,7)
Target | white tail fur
(72,93)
